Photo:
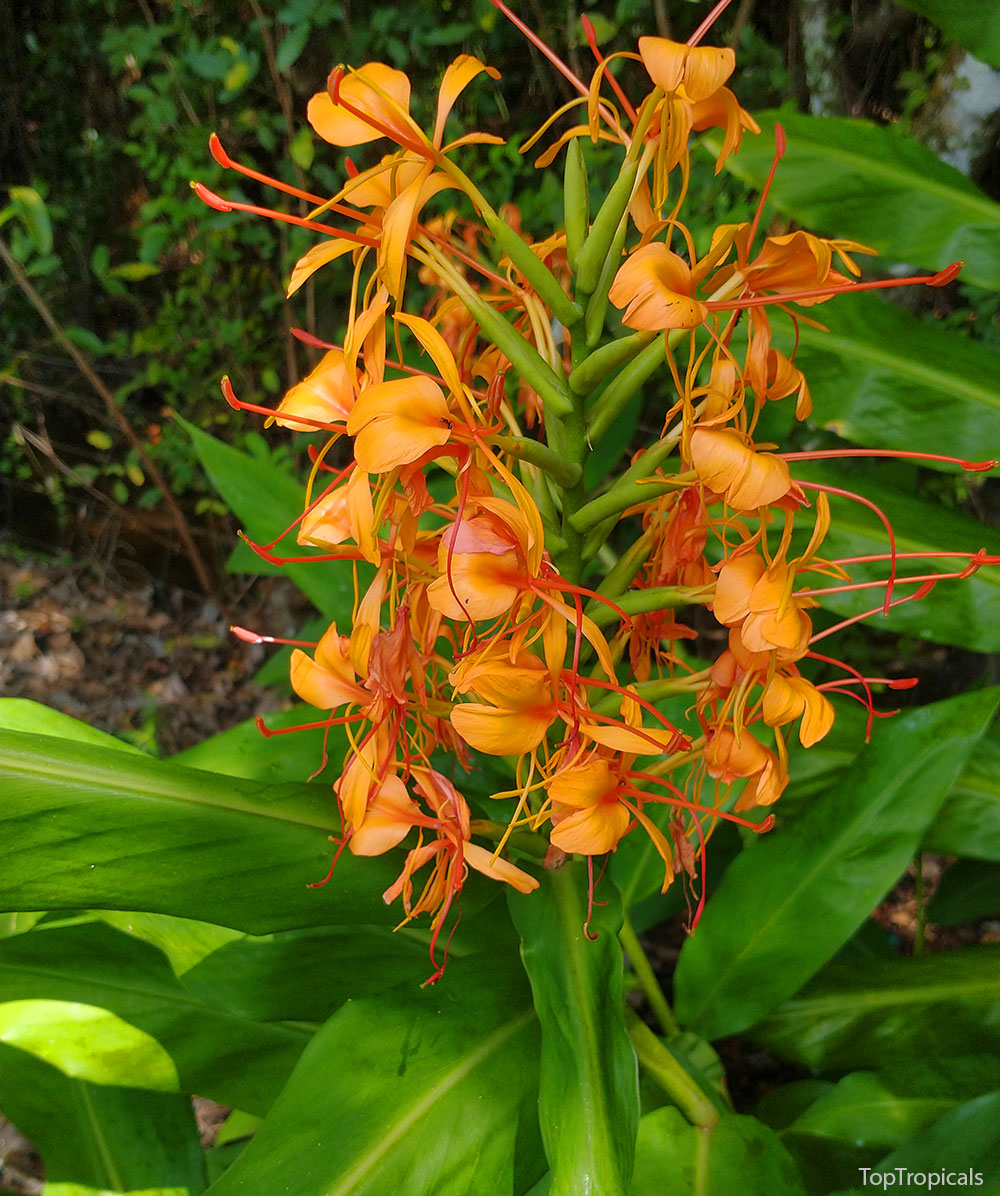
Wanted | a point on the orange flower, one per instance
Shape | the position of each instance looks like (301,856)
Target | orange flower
(727,465)
(587,816)
(398,421)
(654,287)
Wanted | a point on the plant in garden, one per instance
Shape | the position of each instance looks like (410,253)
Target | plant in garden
(553,644)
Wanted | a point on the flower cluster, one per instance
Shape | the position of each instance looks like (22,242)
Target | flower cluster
(504,605)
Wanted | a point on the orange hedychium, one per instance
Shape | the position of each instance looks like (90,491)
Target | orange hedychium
(478,631)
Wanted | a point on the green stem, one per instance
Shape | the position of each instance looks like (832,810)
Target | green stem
(662,1065)
(637,602)
(647,980)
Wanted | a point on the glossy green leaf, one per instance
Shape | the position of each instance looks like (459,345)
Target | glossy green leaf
(737,1154)
(21,714)
(103,1138)
(974,24)
(959,613)
(964,1142)
(792,898)
(87,1043)
(889,1011)
(215,1052)
(968,891)
(419,1092)
(969,821)
(99,828)
(574,962)
(267,501)
(883,378)
(869,1108)
(303,976)
(853,179)
(243,751)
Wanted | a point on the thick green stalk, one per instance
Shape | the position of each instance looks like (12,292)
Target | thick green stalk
(618,393)
(604,361)
(647,980)
(576,201)
(637,602)
(588,1098)
(659,1062)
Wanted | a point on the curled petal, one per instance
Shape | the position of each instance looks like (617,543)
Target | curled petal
(701,70)
(654,287)
(375,89)
(726,464)
(391,814)
(591,831)
(501,732)
(498,869)
(398,421)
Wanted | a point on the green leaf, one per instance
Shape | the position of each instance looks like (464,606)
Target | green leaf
(883,378)
(574,961)
(103,1138)
(737,1154)
(969,821)
(867,1108)
(21,714)
(292,45)
(969,891)
(965,1141)
(204,1048)
(960,613)
(101,828)
(267,501)
(416,1092)
(86,1042)
(974,24)
(243,751)
(889,1011)
(29,207)
(851,178)
(303,976)
(792,898)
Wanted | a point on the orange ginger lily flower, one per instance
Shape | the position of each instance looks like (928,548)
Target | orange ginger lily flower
(323,398)
(518,707)
(728,466)
(655,288)
(587,816)
(398,421)
(729,757)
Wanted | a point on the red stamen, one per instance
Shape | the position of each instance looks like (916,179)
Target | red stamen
(591,35)
(224,160)
(825,454)
(866,502)
(779,153)
(537,42)
(232,205)
(708,22)
(929,280)
(251,637)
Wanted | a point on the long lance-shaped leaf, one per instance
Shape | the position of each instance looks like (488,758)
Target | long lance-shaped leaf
(737,1154)
(101,1138)
(974,24)
(883,378)
(425,1093)
(850,178)
(97,828)
(217,1053)
(243,481)
(889,1011)
(588,1090)
(793,898)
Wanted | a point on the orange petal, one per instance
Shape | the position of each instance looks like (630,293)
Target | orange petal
(457,78)
(592,831)
(319,255)
(375,88)
(389,819)
(498,869)
(398,421)
(501,732)
(737,578)
(325,395)
(319,687)
(654,287)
